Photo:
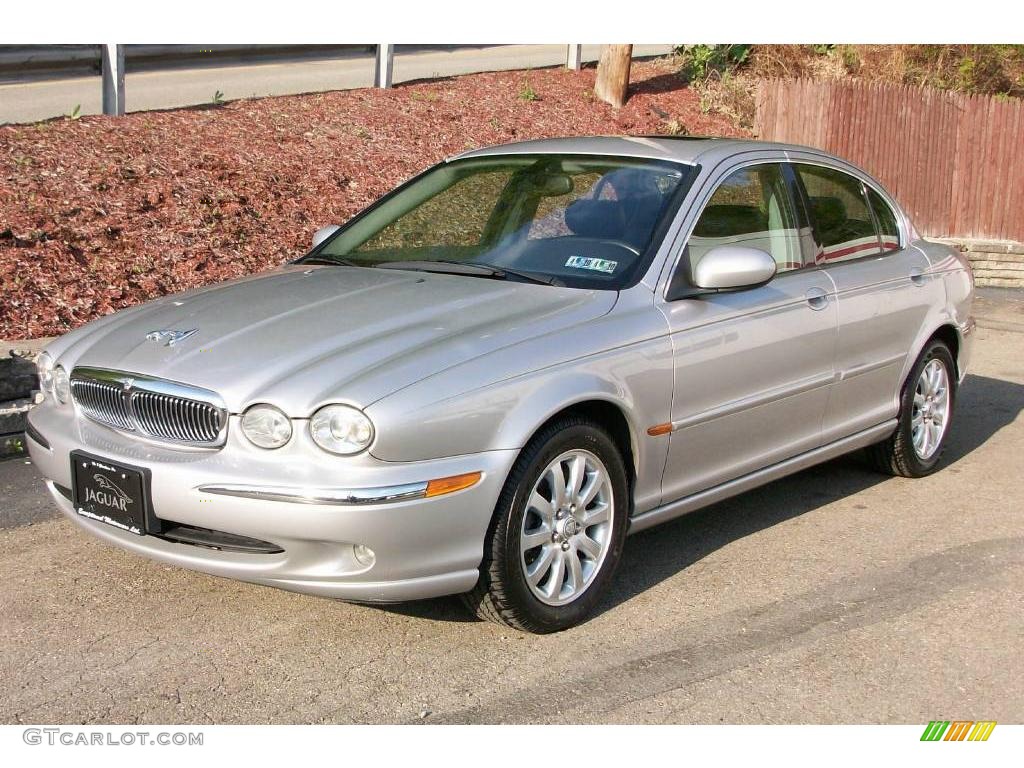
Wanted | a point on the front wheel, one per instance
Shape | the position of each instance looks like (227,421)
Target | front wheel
(557,533)
(926,411)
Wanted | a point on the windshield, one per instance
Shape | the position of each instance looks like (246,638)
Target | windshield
(579,221)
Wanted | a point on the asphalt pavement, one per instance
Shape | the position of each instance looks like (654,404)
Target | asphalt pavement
(834,596)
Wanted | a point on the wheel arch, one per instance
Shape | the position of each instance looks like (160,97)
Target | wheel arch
(945,330)
(949,334)
(612,417)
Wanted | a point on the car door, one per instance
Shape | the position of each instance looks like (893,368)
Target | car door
(754,367)
(883,293)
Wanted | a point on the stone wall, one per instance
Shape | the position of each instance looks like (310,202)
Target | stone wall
(998,263)
(18,383)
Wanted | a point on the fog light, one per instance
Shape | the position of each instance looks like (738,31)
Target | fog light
(364,555)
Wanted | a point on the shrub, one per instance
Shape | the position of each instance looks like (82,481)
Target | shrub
(698,62)
(987,69)
(729,94)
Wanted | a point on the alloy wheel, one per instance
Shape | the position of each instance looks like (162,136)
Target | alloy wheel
(931,409)
(567,527)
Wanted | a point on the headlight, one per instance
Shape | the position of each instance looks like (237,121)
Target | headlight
(266,426)
(341,429)
(61,384)
(44,365)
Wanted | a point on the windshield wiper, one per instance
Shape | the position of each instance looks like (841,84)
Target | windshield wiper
(328,261)
(470,269)
(531,277)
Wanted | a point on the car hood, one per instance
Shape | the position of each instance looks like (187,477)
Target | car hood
(303,336)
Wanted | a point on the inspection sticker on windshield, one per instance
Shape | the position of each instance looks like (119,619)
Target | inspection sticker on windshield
(596,265)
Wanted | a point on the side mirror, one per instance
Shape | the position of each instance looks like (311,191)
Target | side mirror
(732,267)
(323,233)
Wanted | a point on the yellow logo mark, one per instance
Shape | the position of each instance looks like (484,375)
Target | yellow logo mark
(982,730)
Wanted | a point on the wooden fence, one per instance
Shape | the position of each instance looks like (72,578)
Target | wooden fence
(955,162)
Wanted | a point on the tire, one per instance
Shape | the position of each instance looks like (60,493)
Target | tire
(899,454)
(558,599)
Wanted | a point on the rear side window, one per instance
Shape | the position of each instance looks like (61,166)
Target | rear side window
(753,208)
(842,217)
(888,231)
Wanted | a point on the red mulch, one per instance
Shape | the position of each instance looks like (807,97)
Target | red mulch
(103,213)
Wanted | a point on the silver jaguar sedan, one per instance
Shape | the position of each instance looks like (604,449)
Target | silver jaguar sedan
(481,383)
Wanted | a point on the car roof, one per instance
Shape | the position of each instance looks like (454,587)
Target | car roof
(680,149)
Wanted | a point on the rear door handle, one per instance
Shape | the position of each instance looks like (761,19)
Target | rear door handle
(917,276)
(817,299)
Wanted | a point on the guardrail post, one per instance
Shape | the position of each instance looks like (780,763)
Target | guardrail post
(112,67)
(384,66)
(574,57)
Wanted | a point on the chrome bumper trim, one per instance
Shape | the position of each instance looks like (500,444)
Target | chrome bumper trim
(328,496)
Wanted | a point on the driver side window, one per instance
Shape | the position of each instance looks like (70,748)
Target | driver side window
(752,207)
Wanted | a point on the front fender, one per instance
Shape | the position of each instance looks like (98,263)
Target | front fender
(422,422)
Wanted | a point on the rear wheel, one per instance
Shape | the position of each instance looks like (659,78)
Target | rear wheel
(557,533)
(926,410)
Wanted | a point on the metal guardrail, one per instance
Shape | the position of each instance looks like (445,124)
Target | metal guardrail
(21,62)
(25,62)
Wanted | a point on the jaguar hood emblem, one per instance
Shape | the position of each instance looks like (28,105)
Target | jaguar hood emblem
(169,337)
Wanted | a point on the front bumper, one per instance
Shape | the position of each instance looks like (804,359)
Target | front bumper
(424,547)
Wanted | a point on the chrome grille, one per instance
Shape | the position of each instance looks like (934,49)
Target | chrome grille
(175,418)
(159,409)
(103,402)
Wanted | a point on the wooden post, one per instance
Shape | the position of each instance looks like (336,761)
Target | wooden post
(384,66)
(574,57)
(613,74)
(112,68)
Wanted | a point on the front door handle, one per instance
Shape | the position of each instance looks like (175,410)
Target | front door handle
(817,299)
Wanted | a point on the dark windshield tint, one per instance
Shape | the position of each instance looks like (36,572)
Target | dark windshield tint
(586,221)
